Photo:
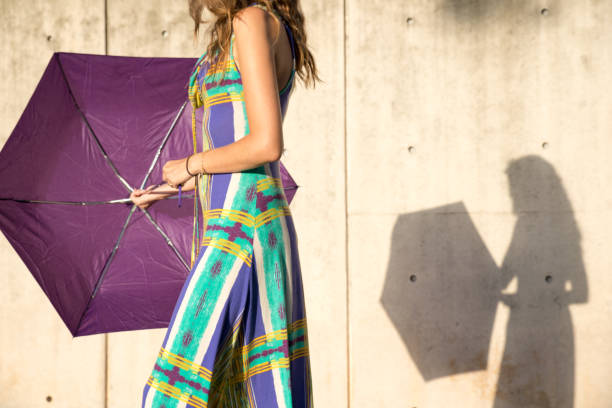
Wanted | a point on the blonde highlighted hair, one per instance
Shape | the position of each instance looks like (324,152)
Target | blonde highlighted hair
(220,34)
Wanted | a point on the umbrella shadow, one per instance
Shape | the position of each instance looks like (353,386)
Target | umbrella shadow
(442,290)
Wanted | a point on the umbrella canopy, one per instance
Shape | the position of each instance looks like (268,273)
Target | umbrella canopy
(95,128)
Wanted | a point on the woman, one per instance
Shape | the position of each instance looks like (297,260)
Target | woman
(237,336)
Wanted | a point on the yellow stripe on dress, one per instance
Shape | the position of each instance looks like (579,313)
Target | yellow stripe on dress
(271,214)
(220,66)
(247,219)
(229,247)
(176,393)
(233,215)
(269,182)
(184,363)
(223,98)
(240,355)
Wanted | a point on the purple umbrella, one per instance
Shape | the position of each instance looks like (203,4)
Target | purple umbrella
(96,128)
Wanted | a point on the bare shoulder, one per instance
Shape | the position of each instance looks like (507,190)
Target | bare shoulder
(251,21)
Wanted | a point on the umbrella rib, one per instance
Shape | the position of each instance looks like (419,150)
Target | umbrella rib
(108,160)
(112,255)
(155,158)
(163,143)
(106,265)
(168,241)
(116,201)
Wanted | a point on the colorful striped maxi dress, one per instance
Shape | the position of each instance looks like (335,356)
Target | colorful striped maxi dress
(238,335)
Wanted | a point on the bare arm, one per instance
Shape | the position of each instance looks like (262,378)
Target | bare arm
(255,34)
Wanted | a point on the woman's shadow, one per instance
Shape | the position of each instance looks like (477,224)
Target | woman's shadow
(443,287)
(545,257)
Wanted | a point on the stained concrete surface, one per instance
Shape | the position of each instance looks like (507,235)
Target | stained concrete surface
(453,208)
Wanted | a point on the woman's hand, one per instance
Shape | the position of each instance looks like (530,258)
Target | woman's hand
(175,173)
(141,197)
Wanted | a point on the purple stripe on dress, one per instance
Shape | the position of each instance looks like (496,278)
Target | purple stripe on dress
(230,313)
(222,133)
(298,288)
(265,381)
(223,83)
(219,182)
(274,169)
(221,129)
(299,389)
(182,295)
(145,391)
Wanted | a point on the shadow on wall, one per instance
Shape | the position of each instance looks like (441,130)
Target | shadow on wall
(442,289)
(471,10)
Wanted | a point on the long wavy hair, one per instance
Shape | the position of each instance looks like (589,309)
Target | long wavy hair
(220,34)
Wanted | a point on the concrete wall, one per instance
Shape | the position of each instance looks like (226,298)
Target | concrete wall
(452,214)
(40,363)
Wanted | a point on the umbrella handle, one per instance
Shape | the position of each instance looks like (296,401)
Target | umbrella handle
(180,192)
